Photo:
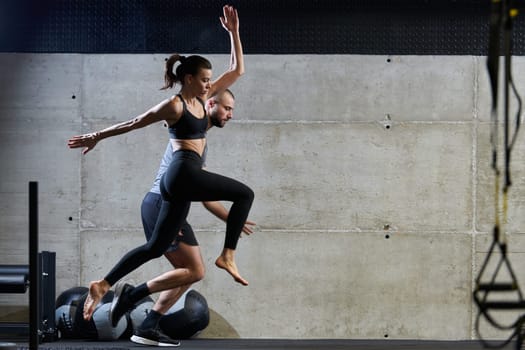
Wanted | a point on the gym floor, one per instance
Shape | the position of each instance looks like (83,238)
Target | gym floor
(272,344)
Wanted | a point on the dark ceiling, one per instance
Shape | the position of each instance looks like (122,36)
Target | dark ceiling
(377,27)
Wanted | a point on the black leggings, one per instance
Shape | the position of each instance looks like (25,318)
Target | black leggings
(184,182)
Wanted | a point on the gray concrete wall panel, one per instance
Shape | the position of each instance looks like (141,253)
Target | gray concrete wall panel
(357,176)
(357,88)
(485,93)
(515,222)
(39,110)
(339,293)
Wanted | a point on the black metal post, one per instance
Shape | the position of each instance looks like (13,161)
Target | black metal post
(33,267)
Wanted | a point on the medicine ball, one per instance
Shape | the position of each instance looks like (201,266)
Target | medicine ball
(138,314)
(99,327)
(65,310)
(189,320)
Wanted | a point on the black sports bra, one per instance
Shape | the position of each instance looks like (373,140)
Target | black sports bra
(189,127)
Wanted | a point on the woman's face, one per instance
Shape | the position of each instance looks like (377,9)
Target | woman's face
(200,84)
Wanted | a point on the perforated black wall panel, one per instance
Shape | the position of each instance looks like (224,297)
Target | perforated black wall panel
(390,27)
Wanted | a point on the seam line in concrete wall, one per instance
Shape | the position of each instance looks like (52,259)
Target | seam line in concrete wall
(433,122)
(80,166)
(474,191)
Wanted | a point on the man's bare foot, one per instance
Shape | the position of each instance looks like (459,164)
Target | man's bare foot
(229,265)
(97,290)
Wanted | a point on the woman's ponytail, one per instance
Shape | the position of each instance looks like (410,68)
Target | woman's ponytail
(171,78)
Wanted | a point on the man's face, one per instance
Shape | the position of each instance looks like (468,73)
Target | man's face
(221,110)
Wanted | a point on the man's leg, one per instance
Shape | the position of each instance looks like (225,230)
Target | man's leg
(186,258)
(190,269)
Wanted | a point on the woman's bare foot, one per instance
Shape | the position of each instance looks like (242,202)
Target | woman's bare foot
(97,290)
(225,261)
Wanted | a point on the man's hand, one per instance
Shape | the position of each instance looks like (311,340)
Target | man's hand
(248,227)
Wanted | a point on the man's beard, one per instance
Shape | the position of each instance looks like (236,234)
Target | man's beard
(216,122)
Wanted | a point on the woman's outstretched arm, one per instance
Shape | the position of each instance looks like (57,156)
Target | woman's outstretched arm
(168,110)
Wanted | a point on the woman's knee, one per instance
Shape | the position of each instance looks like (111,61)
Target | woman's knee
(248,194)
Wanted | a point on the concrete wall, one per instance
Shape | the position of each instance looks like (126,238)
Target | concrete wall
(374,193)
